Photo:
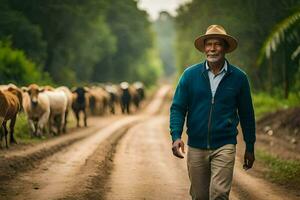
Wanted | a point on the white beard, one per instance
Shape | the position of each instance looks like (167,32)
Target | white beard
(213,59)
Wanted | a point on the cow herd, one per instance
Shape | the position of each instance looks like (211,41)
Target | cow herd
(47,108)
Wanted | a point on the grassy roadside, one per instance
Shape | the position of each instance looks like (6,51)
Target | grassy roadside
(276,169)
(281,171)
(265,103)
(22,131)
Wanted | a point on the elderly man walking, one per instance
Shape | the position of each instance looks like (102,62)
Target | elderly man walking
(215,96)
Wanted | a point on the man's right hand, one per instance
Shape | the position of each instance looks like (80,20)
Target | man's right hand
(177,144)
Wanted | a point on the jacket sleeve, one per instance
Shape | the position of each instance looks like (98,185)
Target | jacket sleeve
(246,114)
(178,108)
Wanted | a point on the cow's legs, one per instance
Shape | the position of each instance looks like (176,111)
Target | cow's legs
(123,107)
(77,118)
(127,108)
(85,118)
(61,123)
(1,133)
(33,127)
(65,124)
(12,127)
(50,124)
(42,122)
(5,133)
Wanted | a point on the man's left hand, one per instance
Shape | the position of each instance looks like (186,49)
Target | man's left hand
(248,160)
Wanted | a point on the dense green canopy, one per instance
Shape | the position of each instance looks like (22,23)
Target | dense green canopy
(82,41)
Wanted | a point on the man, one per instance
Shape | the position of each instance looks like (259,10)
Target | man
(215,96)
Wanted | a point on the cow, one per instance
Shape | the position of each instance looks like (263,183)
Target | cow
(36,105)
(58,106)
(99,99)
(10,105)
(69,95)
(125,97)
(138,93)
(80,103)
(114,96)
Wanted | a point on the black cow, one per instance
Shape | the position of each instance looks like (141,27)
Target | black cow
(125,97)
(80,104)
(139,94)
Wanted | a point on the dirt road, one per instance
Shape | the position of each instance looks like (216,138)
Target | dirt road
(117,158)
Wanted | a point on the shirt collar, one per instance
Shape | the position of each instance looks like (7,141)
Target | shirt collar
(224,68)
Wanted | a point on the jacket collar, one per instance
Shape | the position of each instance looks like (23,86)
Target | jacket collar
(203,67)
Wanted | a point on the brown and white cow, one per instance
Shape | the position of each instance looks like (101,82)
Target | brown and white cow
(36,105)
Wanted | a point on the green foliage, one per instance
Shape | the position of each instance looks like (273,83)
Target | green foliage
(76,34)
(265,103)
(279,35)
(297,83)
(165,30)
(134,41)
(16,68)
(22,132)
(280,171)
(149,73)
(67,77)
(24,35)
(79,41)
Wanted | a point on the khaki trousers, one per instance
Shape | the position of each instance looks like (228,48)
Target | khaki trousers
(210,172)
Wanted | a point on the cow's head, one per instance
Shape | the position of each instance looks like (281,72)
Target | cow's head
(33,90)
(124,85)
(80,91)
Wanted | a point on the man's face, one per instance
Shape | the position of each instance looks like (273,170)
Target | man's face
(214,49)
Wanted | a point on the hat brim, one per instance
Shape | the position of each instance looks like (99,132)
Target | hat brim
(232,42)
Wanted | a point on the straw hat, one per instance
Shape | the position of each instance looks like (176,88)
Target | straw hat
(216,31)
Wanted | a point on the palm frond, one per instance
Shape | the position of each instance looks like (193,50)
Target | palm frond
(277,36)
(296,53)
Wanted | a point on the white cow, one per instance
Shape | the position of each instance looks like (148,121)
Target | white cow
(69,95)
(58,105)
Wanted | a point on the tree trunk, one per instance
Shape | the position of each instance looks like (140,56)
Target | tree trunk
(270,74)
(285,72)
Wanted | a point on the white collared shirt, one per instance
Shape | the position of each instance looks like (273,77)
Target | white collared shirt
(215,79)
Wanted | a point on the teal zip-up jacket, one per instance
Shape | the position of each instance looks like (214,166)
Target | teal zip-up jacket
(212,122)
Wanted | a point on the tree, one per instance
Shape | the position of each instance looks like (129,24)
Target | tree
(79,41)
(134,39)
(165,31)
(16,68)
(22,33)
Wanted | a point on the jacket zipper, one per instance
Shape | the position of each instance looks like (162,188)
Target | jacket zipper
(211,109)
(210,112)
(209,122)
